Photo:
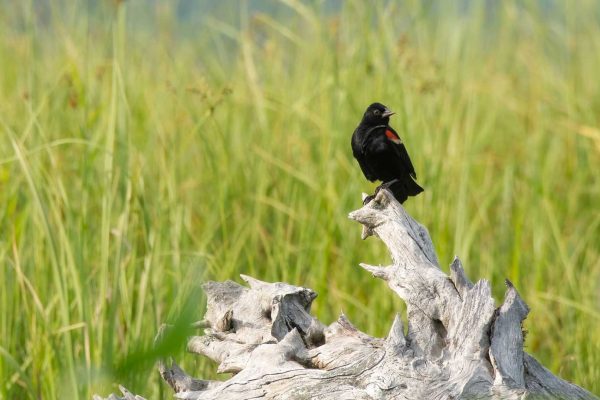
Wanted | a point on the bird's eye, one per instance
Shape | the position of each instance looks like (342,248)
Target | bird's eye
(377,112)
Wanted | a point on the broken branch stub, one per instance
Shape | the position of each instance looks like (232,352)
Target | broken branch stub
(458,344)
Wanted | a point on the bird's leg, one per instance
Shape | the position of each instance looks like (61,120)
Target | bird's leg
(385,185)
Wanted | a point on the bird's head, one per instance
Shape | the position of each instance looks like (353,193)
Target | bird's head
(377,114)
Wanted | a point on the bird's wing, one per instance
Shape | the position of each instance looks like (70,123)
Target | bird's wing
(360,157)
(365,169)
(400,150)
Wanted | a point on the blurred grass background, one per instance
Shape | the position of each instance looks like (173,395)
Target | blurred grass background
(148,146)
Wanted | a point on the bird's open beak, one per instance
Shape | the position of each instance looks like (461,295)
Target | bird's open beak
(387,113)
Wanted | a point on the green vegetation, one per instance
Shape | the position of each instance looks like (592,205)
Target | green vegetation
(141,155)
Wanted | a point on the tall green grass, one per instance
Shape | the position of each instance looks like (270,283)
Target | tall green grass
(141,155)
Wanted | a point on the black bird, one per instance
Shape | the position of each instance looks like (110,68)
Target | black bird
(382,155)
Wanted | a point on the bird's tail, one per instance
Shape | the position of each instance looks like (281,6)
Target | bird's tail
(412,187)
(402,188)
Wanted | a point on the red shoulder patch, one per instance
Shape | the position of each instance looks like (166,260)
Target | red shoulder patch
(392,136)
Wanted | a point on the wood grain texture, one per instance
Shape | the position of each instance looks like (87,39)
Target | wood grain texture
(458,344)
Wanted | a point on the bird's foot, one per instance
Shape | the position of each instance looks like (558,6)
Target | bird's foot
(385,185)
(367,199)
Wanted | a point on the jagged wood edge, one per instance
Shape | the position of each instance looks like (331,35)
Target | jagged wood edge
(458,344)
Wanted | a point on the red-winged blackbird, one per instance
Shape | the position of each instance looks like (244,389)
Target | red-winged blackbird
(382,155)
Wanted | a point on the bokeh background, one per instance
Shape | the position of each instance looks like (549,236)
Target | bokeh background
(148,146)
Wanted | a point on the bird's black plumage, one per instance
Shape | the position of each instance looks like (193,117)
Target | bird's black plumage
(382,155)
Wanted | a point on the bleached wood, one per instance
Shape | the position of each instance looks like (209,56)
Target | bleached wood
(127,395)
(458,344)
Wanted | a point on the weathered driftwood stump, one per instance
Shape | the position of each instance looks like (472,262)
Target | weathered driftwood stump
(458,344)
